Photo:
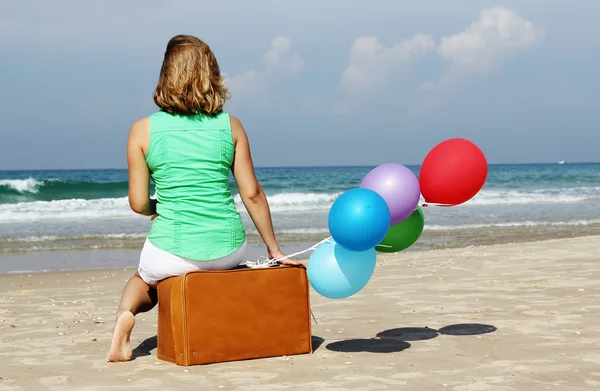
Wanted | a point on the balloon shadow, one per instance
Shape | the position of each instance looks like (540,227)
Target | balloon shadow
(409,333)
(467,329)
(425,333)
(316,342)
(145,347)
(396,340)
(368,345)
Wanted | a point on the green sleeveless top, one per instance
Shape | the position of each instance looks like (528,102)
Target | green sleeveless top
(189,159)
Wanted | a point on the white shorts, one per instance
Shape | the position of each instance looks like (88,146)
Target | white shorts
(157,264)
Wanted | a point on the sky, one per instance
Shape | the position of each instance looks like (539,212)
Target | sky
(314,82)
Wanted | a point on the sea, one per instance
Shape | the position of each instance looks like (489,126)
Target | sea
(49,212)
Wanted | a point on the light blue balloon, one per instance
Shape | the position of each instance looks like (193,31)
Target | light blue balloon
(359,219)
(337,273)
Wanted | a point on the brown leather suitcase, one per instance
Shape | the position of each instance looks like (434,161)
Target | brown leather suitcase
(216,316)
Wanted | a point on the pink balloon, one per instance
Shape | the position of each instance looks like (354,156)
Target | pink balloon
(398,186)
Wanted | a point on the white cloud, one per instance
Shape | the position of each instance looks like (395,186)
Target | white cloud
(279,61)
(483,45)
(373,64)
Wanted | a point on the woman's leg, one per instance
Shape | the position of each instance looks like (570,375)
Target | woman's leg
(137,297)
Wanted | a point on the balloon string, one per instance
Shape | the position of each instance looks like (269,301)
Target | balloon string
(272,262)
(383,245)
(425,204)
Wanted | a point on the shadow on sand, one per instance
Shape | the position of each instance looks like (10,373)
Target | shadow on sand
(396,340)
(387,341)
(146,347)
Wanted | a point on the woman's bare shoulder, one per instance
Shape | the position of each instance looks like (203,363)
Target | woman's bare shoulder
(140,125)
(139,133)
(235,122)
(237,129)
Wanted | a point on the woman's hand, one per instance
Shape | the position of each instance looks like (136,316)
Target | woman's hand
(278,254)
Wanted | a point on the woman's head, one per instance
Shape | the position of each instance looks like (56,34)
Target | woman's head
(190,81)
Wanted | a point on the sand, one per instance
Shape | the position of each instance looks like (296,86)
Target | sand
(502,317)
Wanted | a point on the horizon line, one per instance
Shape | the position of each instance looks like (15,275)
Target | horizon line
(300,166)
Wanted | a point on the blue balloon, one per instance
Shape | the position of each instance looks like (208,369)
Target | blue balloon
(337,273)
(359,219)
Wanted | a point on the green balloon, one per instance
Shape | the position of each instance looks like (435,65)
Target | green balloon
(404,234)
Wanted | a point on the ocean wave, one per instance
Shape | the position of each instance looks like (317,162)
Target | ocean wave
(510,224)
(296,202)
(295,231)
(72,209)
(304,231)
(280,202)
(55,238)
(536,196)
(303,193)
(52,189)
(28,185)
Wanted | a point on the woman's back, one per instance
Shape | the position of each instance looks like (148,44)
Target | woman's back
(190,157)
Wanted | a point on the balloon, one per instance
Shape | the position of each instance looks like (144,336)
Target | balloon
(359,219)
(453,172)
(398,186)
(404,234)
(337,273)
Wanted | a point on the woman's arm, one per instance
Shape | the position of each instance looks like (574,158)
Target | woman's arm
(139,173)
(251,192)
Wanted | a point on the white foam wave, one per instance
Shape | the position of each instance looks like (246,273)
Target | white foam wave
(511,224)
(54,238)
(296,202)
(537,196)
(66,209)
(28,185)
(45,239)
(31,239)
(305,231)
(119,207)
(295,231)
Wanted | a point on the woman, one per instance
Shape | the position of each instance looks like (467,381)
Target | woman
(188,148)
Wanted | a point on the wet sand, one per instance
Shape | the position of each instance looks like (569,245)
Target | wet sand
(501,317)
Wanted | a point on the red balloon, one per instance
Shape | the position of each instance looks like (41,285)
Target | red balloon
(453,172)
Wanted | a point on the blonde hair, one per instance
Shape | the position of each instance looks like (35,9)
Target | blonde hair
(190,81)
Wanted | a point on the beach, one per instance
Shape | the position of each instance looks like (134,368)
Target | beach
(521,316)
(463,139)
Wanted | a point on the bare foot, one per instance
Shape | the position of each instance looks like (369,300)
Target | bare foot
(120,348)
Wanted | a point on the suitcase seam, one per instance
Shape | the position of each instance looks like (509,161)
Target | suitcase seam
(184,320)
(158,323)
(307,292)
(247,269)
